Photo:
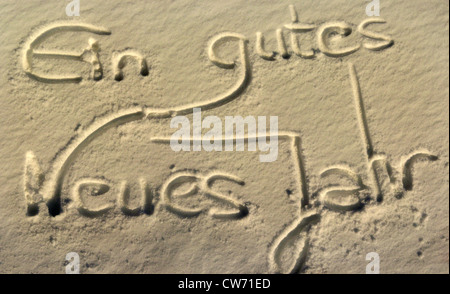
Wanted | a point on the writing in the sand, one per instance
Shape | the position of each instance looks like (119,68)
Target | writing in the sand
(342,188)
(323,35)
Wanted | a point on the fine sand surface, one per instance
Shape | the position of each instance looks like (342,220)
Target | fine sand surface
(363,146)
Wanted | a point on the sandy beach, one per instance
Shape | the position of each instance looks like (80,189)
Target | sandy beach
(343,162)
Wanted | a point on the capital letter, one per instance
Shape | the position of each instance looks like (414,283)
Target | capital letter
(33,178)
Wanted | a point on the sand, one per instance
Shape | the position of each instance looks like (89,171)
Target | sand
(363,120)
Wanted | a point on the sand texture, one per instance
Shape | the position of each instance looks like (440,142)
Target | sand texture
(86,104)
